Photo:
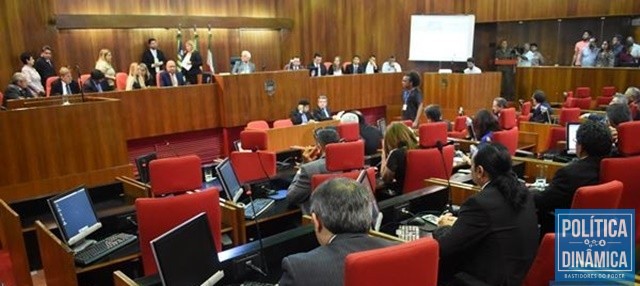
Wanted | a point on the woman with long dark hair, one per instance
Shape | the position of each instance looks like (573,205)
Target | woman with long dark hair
(495,237)
(484,124)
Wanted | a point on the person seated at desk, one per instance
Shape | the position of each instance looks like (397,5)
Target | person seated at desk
(397,141)
(371,66)
(300,188)
(391,65)
(244,65)
(593,142)
(471,67)
(65,84)
(294,64)
(301,114)
(541,109)
(322,112)
(336,67)
(434,114)
(494,238)
(354,67)
(484,124)
(317,68)
(372,136)
(498,104)
(96,83)
(171,77)
(341,214)
(18,88)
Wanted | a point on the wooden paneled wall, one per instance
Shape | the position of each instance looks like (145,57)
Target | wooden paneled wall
(331,27)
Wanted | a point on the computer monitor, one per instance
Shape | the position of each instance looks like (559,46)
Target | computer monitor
(572,130)
(75,216)
(142,164)
(186,254)
(229,180)
(363,179)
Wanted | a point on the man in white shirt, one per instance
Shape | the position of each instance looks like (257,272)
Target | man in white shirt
(391,65)
(634,49)
(471,67)
(527,55)
(372,66)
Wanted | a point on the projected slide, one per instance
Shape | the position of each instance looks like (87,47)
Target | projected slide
(441,37)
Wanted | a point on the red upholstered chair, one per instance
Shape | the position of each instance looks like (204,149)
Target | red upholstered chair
(47,85)
(582,103)
(418,159)
(14,264)
(344,159)
(349,131)
(407,264)
(608,91)
(158,83)
(280,123)
(603,196)
(525,112)
(628,143)
(557,134)
(542,268)
(84,78)
(175,175)
(508,118)
(634,110)
(569,94)
(158,215)
(569,115)
(459,128)
(583,92)
(256,165)
(408,123)
(328,65)
(257,125)
(1,98)
(121,81)
(508,138)
(344,65)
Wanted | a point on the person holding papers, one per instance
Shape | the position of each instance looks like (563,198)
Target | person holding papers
(154,59)
(191,63)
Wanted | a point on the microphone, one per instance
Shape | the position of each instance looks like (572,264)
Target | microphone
(545,110)
(440,147)
(81,88)
(259,234)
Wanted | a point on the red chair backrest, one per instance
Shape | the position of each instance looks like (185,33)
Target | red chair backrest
(625,171)
(1,98)
(349,131)
(508,138)
(603,100)
(422,164)
(345,156)
(121,81)
(557,134)
(582,103)
(508,118)
(628,143)
(158,83)
(460,124)
(542,268)
(582,92)
(608,91)
(158,215)
(280,123)
(254,140)
(48,83)
(526,108)
(345,64)
(175,174)
(318,179)
(328,65)
(569,115)
(634,110)
(83,79)
(409,264)
(602,196)
(257,124)
(432,133)
(255,165)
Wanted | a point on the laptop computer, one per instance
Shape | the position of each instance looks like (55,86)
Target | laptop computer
(572,131)
(376,214)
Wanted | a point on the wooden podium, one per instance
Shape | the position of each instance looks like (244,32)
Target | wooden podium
(506,62)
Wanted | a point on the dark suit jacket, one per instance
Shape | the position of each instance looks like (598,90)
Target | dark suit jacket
(538,116)
(563,186)
(372,139)
(147,59)
(165,79)
(490,240)
(45,69)
(318,114)
(313,70)
(15,92)
(349,69)
(331,71)
(90,86)
(196,63)
(325,264)
(56,87)
(300,188)
(296,117)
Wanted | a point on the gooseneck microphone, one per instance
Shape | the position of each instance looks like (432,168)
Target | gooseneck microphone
(440,147)
(249,263)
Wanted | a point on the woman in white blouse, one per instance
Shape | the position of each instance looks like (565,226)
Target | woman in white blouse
(34,84)
(104,65)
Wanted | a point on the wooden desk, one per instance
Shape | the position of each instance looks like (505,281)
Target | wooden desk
(51,148)
(451,91)
(555,80)
(460,192)
(281,139)
(531,168)
(543,130)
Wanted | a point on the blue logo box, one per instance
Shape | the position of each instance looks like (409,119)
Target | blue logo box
(595,245)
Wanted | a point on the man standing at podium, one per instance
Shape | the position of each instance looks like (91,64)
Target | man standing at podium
(411,98)
(508,85)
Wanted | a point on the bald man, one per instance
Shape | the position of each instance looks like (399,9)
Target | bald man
(171,77)
(244,65)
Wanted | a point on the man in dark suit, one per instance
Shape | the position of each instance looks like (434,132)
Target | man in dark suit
(322,112)
(96,83)
(65,84)
(593,142)
(44,65)
(171,77)
(411,98)
(494,239)
(341,214)
(153,58)
(541,109)
(301,114)
(354,67)
(317,68)
(17,88)
(300,188)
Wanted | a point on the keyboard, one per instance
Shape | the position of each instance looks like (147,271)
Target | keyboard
(103,248)
(260,206)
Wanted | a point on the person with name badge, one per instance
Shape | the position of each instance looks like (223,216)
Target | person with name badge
(411,98)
